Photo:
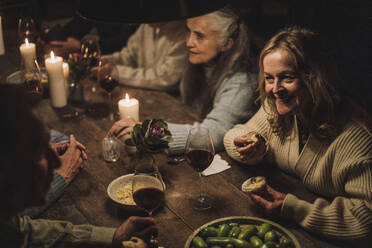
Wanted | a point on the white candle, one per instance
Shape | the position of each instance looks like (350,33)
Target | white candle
(129,108)
(28,52)
(57,88)
(66,74)
(66,70)
(2,49)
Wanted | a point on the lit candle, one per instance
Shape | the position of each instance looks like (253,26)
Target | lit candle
(57,83)
(66,70)
(129,107)
(28,52)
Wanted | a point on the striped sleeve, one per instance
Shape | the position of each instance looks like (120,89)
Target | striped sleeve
(348,215)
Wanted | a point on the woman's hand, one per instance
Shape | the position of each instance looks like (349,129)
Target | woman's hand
(248,148)
(271,201)
(134,226)
(72,159)
(104,70)
(62,48)
(122,127)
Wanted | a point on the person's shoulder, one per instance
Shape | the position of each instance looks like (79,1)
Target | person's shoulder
(241,78)
(357,136)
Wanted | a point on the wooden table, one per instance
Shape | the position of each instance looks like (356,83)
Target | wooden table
(86,200)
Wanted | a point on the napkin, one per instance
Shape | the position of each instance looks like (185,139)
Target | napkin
(218,165)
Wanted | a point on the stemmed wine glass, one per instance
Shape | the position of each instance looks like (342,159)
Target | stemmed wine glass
(26,29)
(199,155)
(148,189)
(109,83)
(90,49)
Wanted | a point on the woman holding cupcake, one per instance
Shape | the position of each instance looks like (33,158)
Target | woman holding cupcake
(307,128)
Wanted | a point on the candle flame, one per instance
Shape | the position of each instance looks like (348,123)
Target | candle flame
(26,42)
(52,55)
(126,97)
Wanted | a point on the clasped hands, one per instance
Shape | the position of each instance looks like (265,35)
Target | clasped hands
(272,200)
(72,154)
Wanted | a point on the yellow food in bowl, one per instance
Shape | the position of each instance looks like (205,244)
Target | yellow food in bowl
(124,194)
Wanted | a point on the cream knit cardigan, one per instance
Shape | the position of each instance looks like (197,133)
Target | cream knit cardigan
(339,172)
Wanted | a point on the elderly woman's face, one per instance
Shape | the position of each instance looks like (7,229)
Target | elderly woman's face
(201,40)
(281,81)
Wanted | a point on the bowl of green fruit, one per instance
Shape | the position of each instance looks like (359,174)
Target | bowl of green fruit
(241,232)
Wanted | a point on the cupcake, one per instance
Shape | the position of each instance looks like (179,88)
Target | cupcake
(255,185)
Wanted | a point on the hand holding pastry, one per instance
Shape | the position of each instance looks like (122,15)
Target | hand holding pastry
(250,146)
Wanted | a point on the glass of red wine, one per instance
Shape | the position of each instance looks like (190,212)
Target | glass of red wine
(90,49)
(199,155)
(148,189)
(109,83)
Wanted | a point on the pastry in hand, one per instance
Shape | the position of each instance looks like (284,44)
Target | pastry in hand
(134,242)
(254,185)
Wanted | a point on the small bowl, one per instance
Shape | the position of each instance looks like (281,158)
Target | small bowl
(122,182)
(254,185)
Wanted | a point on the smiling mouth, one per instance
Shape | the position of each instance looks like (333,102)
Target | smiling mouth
(284,99)
(193,52)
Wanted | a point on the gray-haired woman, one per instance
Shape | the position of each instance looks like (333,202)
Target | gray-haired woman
(215,83)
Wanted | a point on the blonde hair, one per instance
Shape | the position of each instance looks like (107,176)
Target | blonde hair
(327,111)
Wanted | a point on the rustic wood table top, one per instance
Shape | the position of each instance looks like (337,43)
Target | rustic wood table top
(86,200)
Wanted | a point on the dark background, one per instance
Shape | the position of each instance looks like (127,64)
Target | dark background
(345,25)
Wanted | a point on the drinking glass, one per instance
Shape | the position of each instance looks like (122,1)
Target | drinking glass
(110,149)
(148,189)
(26,29)
(90,49)
(109,83)
(199,155)
(32,83)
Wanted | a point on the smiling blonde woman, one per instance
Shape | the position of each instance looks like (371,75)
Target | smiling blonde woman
(312,132)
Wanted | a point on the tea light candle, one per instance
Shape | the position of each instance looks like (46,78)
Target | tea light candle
(28,52)
(57,88)
(129,107)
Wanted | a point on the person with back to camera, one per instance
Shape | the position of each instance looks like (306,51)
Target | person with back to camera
(216,83)
(313,132)
(27,162)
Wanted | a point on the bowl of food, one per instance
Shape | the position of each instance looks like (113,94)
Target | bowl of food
(120,191)
(242,231)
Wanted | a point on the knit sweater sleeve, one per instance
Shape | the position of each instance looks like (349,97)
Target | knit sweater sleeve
(163,74)
(128,54)
(233,103)
(53,233)
(257,123)
(349,214)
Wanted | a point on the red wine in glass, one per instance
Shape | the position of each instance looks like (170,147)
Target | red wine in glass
(109,83)
(34,90)
(148,198)
(199,159)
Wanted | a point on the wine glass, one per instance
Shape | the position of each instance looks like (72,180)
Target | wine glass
(26,29)
(32,83)
(109,83)
(148,189)
(90,49)
(199,155)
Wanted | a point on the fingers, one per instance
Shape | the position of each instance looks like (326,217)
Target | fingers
(57,43)
(275,194)
(260,201)
(124,131)
(118,127)
(242,141)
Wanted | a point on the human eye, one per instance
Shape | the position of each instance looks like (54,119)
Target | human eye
(269,79)
(199,35)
